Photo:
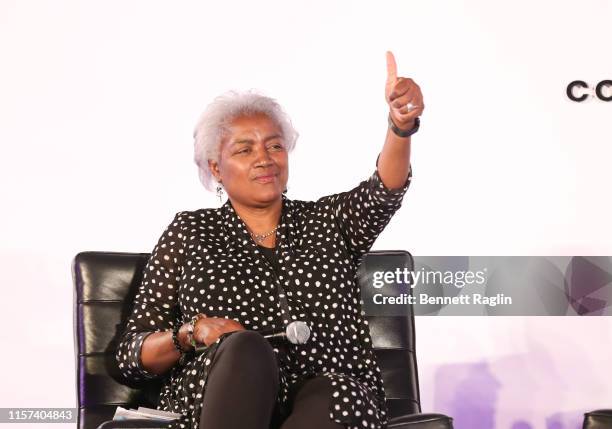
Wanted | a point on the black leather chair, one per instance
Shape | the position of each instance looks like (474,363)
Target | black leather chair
(598,419)
(105,285)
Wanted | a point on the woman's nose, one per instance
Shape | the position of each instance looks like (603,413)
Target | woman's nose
(263,156)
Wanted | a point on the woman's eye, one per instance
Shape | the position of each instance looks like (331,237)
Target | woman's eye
(276,146)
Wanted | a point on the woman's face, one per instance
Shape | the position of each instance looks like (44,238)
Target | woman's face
(253,163)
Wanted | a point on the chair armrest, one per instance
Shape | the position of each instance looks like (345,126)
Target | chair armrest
(598,419)
(421,421)
(133,423)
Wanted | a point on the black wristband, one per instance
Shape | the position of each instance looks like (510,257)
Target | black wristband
(404,133)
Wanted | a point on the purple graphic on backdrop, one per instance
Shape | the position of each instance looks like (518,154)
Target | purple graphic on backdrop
(589,280)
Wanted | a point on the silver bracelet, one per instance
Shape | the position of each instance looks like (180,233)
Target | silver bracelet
(191,328)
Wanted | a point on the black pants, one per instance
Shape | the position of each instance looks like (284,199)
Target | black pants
(243,385)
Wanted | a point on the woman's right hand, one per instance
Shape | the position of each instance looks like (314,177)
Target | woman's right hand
(208,329)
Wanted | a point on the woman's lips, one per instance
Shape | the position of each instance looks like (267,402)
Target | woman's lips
(265,179)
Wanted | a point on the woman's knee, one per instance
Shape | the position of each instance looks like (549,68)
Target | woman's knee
(247,351)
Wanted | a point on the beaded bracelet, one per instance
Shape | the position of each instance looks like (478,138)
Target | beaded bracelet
(175,339)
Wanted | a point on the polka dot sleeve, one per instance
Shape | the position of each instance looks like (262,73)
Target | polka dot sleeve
(156,300)
(362,213)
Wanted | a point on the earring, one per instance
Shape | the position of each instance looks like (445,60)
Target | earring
(219,191)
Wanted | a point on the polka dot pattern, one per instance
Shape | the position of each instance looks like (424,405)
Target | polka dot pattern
(206,262)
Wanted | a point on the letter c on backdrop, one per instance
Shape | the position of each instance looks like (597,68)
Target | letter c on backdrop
(570,90)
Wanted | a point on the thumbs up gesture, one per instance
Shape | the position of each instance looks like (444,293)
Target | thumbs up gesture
(403,96)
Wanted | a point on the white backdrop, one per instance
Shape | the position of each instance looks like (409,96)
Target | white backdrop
(97,105)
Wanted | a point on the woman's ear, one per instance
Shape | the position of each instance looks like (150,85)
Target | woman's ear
(214,169)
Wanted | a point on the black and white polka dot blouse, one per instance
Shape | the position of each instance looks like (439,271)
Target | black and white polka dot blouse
(206,262)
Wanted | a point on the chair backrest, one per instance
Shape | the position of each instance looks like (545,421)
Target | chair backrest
(105,286)
(392,330)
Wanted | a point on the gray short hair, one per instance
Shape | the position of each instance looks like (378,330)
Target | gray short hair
(223,109)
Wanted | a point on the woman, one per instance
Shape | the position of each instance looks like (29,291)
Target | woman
(262,260)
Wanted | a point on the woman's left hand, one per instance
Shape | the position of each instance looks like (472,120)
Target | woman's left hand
(399,92)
